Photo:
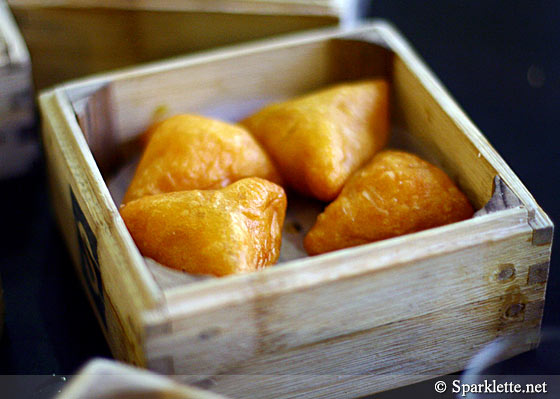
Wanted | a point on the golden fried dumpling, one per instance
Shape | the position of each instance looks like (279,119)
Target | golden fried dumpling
(230,230)
(318,140)
(396,193)
(188,152)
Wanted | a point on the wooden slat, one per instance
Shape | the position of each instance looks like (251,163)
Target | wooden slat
(382,358)
(291,306)
(243,78)
(331,267)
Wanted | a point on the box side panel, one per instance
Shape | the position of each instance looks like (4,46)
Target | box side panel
(218,82)
(104,266)
(384,357)
(432,114)
(455,303)
(435,134)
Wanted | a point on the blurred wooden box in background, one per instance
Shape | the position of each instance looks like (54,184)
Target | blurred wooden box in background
(72,38)
(107,379)
(18,145)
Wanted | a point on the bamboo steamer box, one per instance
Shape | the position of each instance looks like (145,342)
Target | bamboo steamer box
(107,379)
(343,324)
(73,38)
(18,144)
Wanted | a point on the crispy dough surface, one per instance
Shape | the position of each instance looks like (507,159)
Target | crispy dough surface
(396,193)
(318,140)
(187,152)
(236,229)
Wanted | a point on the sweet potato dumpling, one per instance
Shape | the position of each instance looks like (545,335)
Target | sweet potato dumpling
(188,152)
(396,193)
(231,230)
(318,140)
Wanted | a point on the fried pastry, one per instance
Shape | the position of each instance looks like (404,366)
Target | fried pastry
(318,140)
(396,193)
(235,229)
(188,152)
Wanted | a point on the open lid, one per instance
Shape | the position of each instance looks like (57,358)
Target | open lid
(109,379)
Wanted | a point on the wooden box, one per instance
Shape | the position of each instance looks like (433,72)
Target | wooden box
(18,144)
(101,35)
(107,379)
(343,324)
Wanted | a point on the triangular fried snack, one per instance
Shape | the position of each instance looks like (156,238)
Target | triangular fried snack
(187,152)
(231,230)
(318,140)
(396,193)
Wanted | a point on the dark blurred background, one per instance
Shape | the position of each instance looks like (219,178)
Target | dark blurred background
(499,59)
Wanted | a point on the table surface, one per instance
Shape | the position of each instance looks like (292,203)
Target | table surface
(498,59)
